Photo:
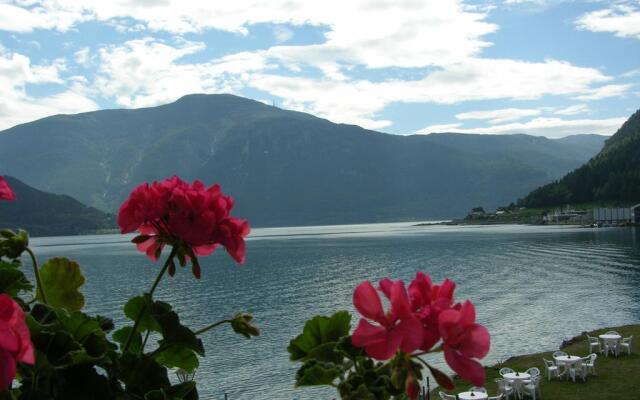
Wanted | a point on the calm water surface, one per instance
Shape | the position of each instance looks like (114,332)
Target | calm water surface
(533,287)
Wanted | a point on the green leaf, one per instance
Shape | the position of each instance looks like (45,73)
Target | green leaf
(183,391)
(174,333)
(122,335)
(61,279)
(319,338)
(178,357)
(313,373)
(12,280)
(134,307)
(141,374)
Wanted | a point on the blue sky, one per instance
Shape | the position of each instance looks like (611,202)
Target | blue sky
(542,67)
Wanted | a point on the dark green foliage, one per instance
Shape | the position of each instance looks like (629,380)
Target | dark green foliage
(329,358)
(47,214)
(319,338)
(612,175)
(283,167)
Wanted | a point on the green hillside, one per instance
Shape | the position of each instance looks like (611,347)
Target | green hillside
(611,176)
(283,167)
(46,214)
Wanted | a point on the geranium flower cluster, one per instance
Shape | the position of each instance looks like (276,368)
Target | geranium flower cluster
(419,318)
(15,340)
(192,218)
(5,190)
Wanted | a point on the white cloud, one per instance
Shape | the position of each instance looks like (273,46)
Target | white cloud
(127,75)
(499,116)
(603,92)
(549,127)
(441,128)
(572,110)
(282,33)
(431,32)
(623,20)
(83,57)
(16,106)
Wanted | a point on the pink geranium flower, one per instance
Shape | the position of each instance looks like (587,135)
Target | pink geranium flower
(5,190)
(15,340)
(464,340)
(191,217)
(395,330)
(428,301)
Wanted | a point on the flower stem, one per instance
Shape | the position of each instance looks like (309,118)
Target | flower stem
(144,305)
(43,295)
(209,327)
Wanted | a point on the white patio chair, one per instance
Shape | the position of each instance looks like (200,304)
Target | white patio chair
(589,363)
(505,387)
(498,397)
(533,371)
(506,370)
(626,344)
(559,353)
(594,342)
(611,346)
(552,369)
(612,333)
(444,396)
(577,370)
(477,389)
(532,388)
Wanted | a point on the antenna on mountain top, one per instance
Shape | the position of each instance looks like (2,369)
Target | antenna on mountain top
(274,102)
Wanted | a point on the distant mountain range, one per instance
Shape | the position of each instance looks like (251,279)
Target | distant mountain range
(46,214)
(283,167)
(613,175)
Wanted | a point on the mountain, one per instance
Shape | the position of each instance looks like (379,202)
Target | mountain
(283,167)
(613,175)
(46,214)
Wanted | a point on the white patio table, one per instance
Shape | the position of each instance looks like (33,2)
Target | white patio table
(566,361)
(610,341)
(473,396)
(517,378)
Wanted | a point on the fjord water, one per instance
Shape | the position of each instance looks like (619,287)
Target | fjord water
(533,287)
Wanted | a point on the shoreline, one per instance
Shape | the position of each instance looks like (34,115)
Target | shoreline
(611,381)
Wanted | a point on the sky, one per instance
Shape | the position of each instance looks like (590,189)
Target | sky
(542,67)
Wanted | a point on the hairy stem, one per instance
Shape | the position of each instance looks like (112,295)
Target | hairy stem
(144,305)
(209,327)
(36,272)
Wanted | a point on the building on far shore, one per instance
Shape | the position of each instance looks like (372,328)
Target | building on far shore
(616,216)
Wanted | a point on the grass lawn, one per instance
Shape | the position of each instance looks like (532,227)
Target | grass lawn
(617,378)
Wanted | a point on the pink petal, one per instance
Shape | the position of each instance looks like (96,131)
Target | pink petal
(411,333)
(476,342)
(467,314)
(367,333)
(447,322)
(446,289)
(367,302)
(7,369)
(468,369)
(8,339)
(385,287)
(399,300)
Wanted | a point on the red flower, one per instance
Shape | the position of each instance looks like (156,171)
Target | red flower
(464,340)
(5,190)
(428,301)
(15,340)
(193,218)
(397,329)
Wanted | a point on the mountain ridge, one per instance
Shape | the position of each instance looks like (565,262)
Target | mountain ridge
(612,175)
(47,214)
(284,167)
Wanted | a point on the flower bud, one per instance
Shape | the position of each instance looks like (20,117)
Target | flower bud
(412,386)
(242,325)
(12,244)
